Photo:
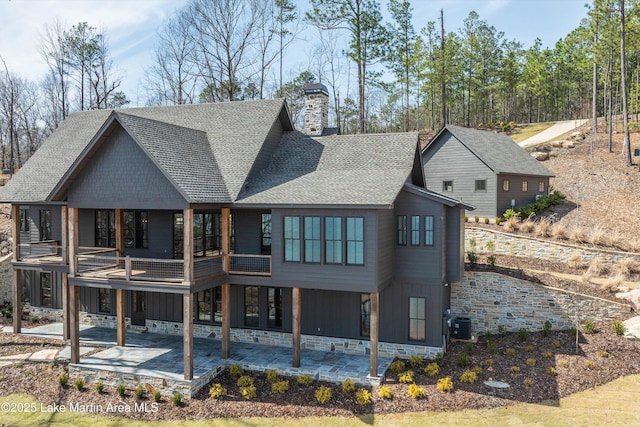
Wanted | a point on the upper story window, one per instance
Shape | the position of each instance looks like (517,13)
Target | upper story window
(355,240)
(481,185)
(541,187)
(447,186)
(45,224)
(415,230)
(402,230)
(25,220)
(525,186)
(428,230)
(505,185)
(265,243)
(333,240)
(312,239)
(292,238)
(105,228)
(136,229)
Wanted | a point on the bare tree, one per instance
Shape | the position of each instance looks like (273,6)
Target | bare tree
(626,146)
(54,50)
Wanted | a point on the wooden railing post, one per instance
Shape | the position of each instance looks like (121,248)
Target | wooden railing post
(127,268)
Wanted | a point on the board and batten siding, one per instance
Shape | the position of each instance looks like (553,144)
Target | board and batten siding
(33,291)
(449,160)
(454,244)
(515,193)
(33,235)
(121,175)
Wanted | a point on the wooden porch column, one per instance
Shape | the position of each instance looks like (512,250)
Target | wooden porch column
(187,322)
(226,287)
(119,232)
(73,298)
(120,323)
(373,334)
(17,274)
(64,251)
(295,327)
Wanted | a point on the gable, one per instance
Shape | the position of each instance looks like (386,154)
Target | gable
(121,175)
(448,159)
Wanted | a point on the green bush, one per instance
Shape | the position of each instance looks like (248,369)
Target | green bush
(510,213)
(415,361)
(363,397)
(547,354)
(236,370)
(445,384)
(491,260)
(469,377)
(348,386)
(416,391)
(492,347)
(406,377)
(99,387)
(498,221)
(63,379)
(551,371)
(216,391)
(487,220)
(272,375)
(472,257)
(249,392)
(157,396)
(121,390)
(385,392)
(397,367)
(323,395)
(305,380)
(589,327)
(139,391)
(79,384)
(245,381)
(439,358)
(432,370)
(463,360)
(522,334)
(476,218)
(536,207)
(280,387)
(176,399)
(618,328)
(546,328)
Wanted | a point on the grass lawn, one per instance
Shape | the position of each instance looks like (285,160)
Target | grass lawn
(615,403)
(530,130)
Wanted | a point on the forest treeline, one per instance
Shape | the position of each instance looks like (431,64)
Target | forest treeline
(382,73)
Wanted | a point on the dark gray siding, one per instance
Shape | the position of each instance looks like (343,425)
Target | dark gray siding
(32,289)
(360,278)
(386,247)
(454,244)
(158,306)
(515,190)
(331,313)
(122,176)
(33,235)
(449,160)
(248,231)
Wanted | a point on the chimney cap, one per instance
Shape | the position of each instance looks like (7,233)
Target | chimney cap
(312,88)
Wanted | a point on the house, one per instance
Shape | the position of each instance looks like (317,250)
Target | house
(485,169)
(222,219)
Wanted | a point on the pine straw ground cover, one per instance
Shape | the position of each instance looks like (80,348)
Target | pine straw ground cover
(557,372)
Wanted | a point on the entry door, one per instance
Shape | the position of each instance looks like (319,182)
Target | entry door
(138,309)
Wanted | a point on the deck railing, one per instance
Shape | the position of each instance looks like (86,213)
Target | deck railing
(256,265)
(40,249)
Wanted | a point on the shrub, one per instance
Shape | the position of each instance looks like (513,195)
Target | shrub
(563,363)
(272,375)
(19,365)
(466,218)
(34,319)
(511,225)
(397,367)
(385,392)
(589,326)
(139,391)
(510,352)
(323,395)
(556,344)
(492,347)
(415,361)
(236,370)
(249,392)
(576,234)
(476,218)
(543,228)
(590,365)
(618,327)
(487,220)
(157,396)
(625,266)
(348,386)
(529,348)
(522,334)
(515,369)
(547,354)
(602,353)
(502,329)
(531,362)
(546,328)
(305,380)
(416,391)
(439,358)
(406,377)
(280,387)
(463,360)
(99,387)
(176,399)
(121,390)
(363,397)
(558,231)
(245,381)
(528,382)
(527,226)
(491,260)
(551,371)
(63,379)
(477,369)
(472,258)
(79,384)
(468,348)
(432,370)
(510,213)
(445,384)
(498,221)
(468,377)
(488,363)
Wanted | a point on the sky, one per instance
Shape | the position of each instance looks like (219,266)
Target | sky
(131,27)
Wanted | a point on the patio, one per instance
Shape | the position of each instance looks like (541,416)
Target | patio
(157,359)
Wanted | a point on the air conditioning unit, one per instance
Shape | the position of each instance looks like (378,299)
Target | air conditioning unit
(538,196)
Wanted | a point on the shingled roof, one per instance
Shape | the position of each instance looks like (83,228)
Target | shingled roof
(499,152)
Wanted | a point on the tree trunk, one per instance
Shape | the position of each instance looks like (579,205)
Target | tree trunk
(626,146)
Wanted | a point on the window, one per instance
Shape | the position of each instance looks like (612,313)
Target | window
(417,319)
(525,186)
(206,233)
(46,297)
(275,308)
(505,185)
(265,244)
(415,230)
(135,229)
(25,220)
(447,186)
(402,230)
(541,187)
(45,224)
(105,228)
(312,239)
(428,230)
(355,241)
(333,240)
(292,238)
(209,305)
(365,314)
(251,318)
(481,185)
(104,300)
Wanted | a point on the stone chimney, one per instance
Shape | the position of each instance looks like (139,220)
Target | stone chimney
(316,103)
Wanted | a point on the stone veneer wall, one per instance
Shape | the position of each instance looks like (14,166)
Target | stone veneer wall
(274,338)
(524,246)
(6,279)
(491,300)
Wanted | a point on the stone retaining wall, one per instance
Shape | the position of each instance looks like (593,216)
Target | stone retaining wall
(491,300)
(6,279)
(525,246)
